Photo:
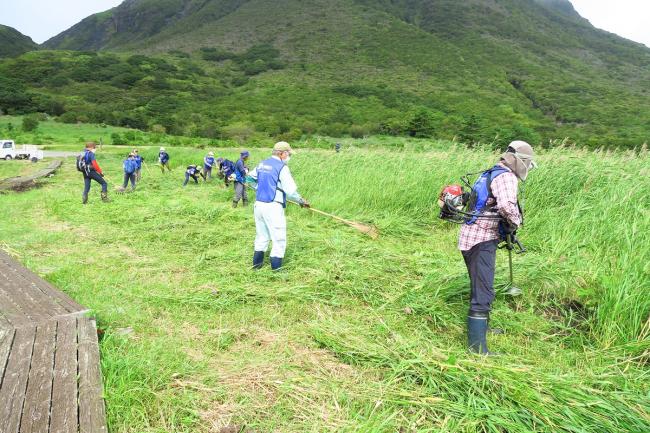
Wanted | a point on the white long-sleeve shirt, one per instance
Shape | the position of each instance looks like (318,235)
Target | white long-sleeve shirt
(286,184)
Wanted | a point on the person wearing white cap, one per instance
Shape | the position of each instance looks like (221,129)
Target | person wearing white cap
(208,163)
(163,160)
(275,186)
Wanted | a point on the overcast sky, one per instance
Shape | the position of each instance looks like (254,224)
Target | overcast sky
(42,19)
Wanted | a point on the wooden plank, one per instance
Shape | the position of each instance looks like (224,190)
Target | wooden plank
(19,301)
(36,410)
(92,413)
(12,393)
(11,312)
(6,341)
(31,286)
(48,289)
(63,418)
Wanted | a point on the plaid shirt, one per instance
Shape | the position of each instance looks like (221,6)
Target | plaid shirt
(504,190)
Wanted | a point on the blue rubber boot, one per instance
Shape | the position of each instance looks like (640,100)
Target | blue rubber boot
(258,259)
(477,326)
(276,263)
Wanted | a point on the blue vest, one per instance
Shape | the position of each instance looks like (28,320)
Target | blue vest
(228,167)
(138,161)
(481,192)
(209,161)
(164,157)
(268,177)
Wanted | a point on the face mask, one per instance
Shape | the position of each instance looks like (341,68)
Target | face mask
(286,161)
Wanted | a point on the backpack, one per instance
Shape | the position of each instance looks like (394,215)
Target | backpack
(82,165)
(130,166)
(481,192)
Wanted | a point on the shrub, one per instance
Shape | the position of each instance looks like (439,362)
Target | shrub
(357,131)
(117,139)
(30,123)
(240,131)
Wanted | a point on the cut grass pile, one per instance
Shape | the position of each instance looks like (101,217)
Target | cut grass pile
(355,335)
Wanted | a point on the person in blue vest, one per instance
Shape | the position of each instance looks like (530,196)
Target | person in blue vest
(241,171)
(208,163)
(163,160)
(87,164)
(138,160)
(497,214)
(275,186)
(130,166)
(226,170)
(193,171)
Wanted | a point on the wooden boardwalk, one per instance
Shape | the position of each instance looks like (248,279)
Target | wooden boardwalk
(50,378)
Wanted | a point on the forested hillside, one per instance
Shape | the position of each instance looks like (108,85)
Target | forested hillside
(13,43)
(477,70)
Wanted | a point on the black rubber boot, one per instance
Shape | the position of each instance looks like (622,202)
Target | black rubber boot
(276,263)
(234,204)
(105,198)
(245,203)
(477,326)
(258,259)
(84,198)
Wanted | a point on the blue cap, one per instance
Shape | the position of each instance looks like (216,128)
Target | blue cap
(245,153)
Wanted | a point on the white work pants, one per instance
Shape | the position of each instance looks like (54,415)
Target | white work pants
(270,226)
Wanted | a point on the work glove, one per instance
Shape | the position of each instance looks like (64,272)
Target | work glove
(304,203)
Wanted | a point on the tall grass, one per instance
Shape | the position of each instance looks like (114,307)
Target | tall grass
(355,335)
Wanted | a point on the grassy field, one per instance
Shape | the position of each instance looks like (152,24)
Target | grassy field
(17,168)
(355,335)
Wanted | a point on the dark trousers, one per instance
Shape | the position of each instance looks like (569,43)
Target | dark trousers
(93,175)
(208,172)
(240,193)
(129,177)
(480,262)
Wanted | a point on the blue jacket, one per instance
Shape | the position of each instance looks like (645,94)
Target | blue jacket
(227,167)
(164,157)
(208,161)
(240,171)
(130,166)
(268,177)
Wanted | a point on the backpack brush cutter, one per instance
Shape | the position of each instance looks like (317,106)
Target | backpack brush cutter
(457,206)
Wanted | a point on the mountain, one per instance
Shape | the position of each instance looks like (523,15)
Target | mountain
(474,69)
(13,43)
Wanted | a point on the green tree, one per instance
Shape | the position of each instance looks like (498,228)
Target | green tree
(421,123)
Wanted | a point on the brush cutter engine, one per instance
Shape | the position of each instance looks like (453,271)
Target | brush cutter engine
(452,201)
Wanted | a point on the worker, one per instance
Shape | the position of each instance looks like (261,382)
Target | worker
(275,186)
(130,166)
(479,237)
(87,164)
(163,160)
(241,171)
(208,163)
(193,171)
(138,160)
(226,170)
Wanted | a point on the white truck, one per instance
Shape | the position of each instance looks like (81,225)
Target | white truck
(9,150)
